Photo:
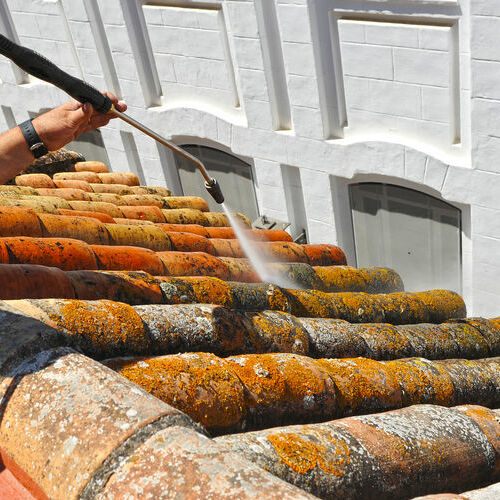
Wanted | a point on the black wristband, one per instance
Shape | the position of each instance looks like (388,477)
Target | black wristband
(35,144)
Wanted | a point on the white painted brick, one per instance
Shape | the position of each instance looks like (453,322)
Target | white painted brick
(486,154)
(174,16)
(268,172)
(186,42)
(351,31)
(242,19)
(320,155)
(273,198)
(224,131)
(258,115)
(487,274)
(294,23)
(422,67)
(220,75)
(259,144)
(415,163)
(111,12)
(118,38)
(307,122)
(192,71)
(367,122)
(299,59)
(25,23)
(485,8)
(37,7)
(164,66)
(208,21)
(436,104)
(486,251)
(434,38)
(253,84)
(361,158)
(358,60)
(125,66)
(295,2)
(457,185)
(321,232)
(51,27)
(303,91)
(485,188)
(485,303)
(75,10)
(90,62)
(82,34)
(391,98)
(391,34)
(130,92)
(317,195)
(486,117)
(435,173)
(484,31)
(486,222)
(426,133)
(485,78)
(357,91)
(248,53)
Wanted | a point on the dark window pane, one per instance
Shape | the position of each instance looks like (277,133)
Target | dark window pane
(414,233)
(234,176)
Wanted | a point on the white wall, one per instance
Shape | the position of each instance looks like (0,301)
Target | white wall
(345,90)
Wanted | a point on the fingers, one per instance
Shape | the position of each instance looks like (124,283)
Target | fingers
(119,105)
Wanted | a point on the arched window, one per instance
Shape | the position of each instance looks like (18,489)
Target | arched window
(234,176)
(416,234)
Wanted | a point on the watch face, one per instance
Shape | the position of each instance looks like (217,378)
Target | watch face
(39,150)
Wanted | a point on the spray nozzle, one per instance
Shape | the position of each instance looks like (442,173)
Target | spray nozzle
(215,192)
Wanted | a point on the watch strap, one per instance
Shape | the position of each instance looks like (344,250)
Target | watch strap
(35,144)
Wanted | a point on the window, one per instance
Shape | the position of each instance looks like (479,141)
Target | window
(416,234)
(234,176)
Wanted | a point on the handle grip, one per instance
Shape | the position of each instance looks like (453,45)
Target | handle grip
(39,66)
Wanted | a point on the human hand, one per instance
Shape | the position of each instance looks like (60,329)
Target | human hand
(61,125)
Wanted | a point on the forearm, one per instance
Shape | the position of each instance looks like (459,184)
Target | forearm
(15,155)
(55,128)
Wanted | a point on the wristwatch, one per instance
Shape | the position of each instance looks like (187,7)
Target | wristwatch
(35,144)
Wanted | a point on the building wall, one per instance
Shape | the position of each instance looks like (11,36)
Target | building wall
(344,90)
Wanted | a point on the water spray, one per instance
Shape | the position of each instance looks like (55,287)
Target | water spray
(39,66)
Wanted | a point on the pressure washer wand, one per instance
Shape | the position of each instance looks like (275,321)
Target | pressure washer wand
(40,67)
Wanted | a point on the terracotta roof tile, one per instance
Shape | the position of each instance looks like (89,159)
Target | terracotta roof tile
(89,177)
(68,416)
(35,181)
(398,454)
(179,462)
(283,389)
(75,184)
(127,178)
(97,167)
(134,274)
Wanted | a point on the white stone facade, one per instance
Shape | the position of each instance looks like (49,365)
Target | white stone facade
(397,91)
